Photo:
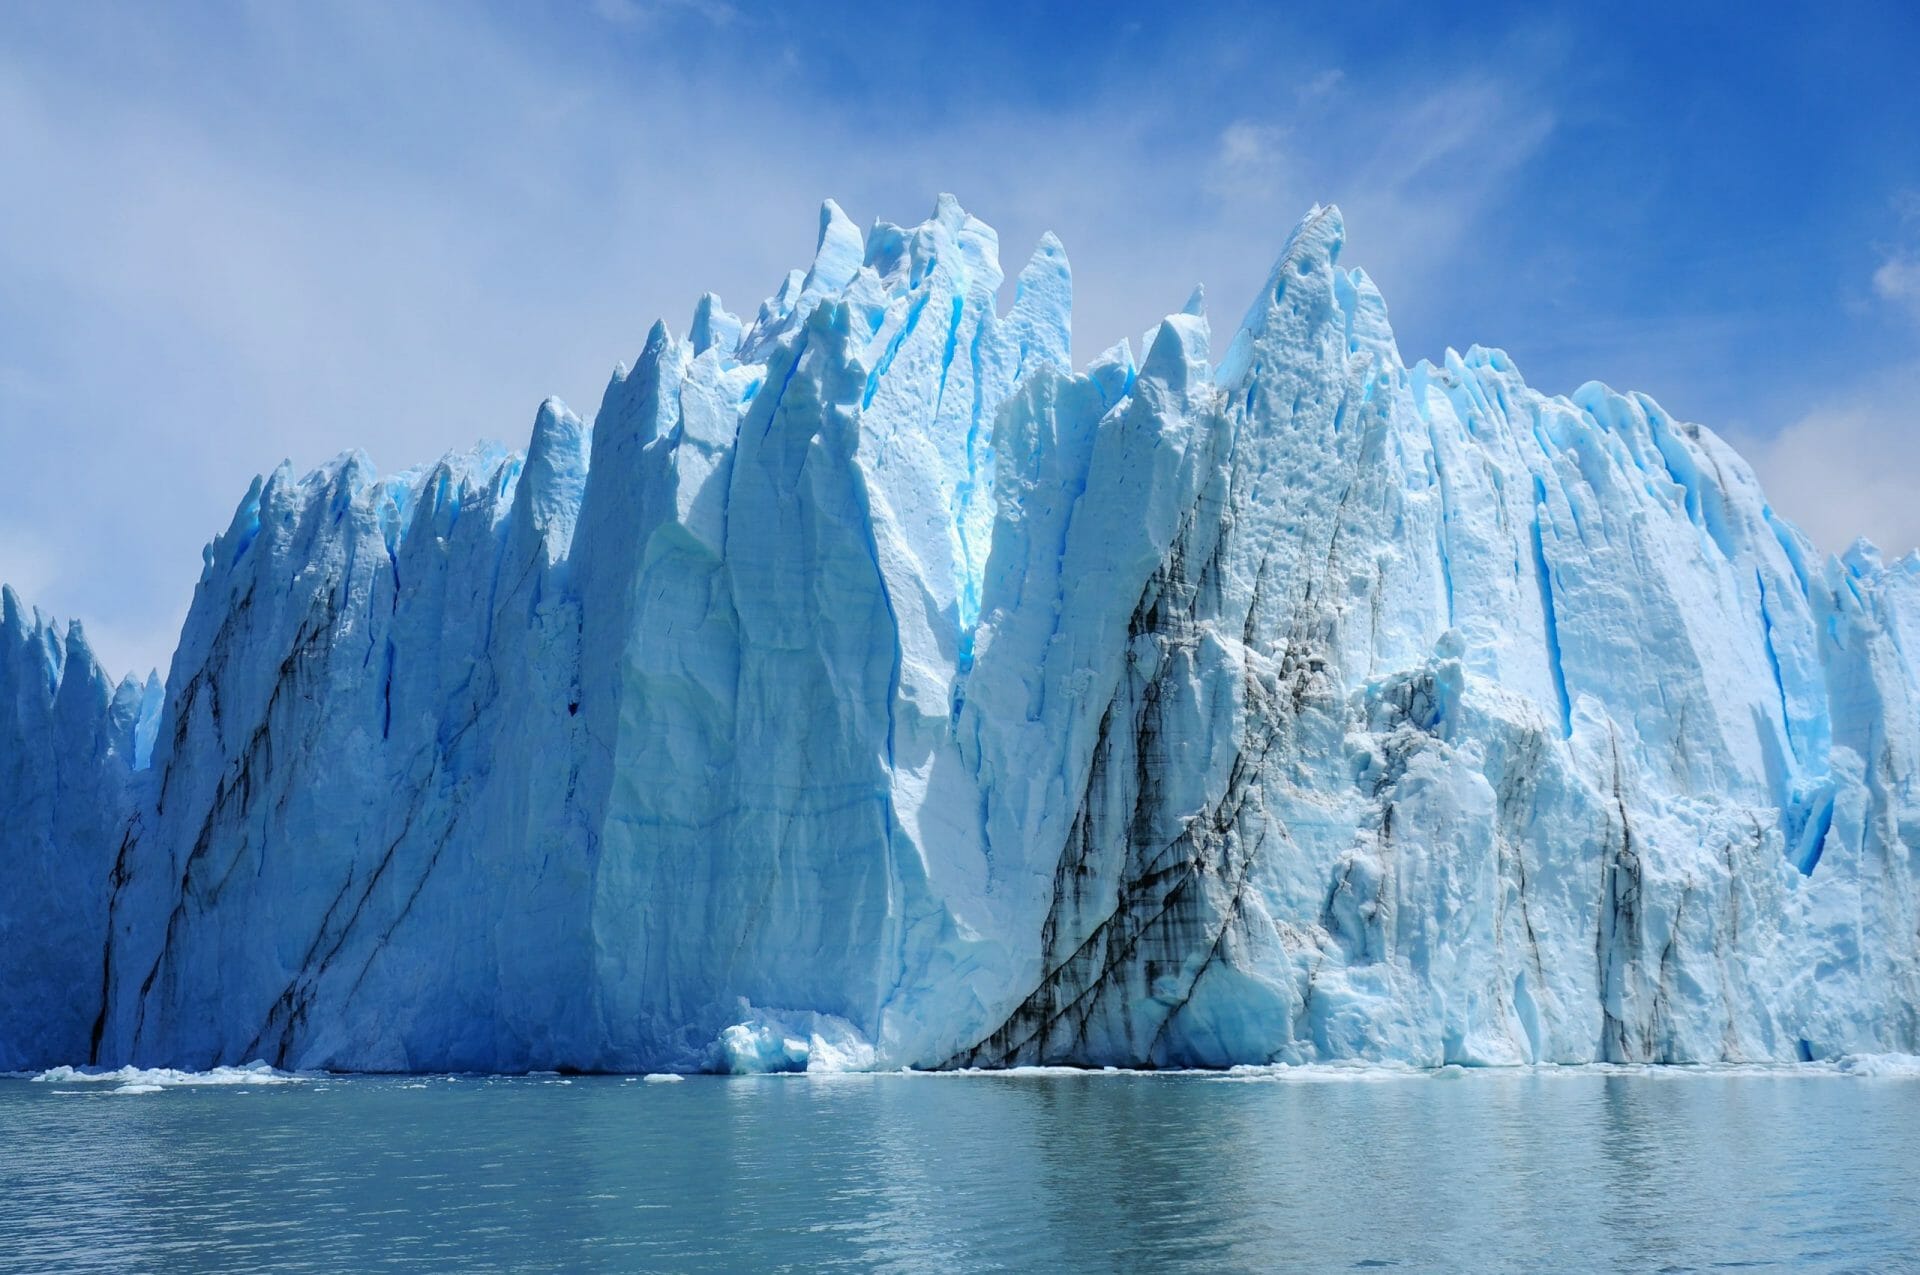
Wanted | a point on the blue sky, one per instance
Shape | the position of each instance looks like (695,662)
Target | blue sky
(232,234)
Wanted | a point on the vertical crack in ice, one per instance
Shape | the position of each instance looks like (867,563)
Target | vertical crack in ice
(1443,523)
(978,454)
(386,692)
(1813,838)
(1618,939)
(1773,665)
(1543,573)
(117,881)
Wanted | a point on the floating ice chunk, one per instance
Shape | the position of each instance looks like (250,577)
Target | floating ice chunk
(770,1041)
(1893,1066)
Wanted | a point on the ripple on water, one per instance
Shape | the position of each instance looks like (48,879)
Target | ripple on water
(1574,1168)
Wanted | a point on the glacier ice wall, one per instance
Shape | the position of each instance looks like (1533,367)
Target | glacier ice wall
(864,686)
(70,741)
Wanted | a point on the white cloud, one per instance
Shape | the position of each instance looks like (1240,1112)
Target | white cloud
(1249,162)
(1898,280)
(1316,88)
(1850,469)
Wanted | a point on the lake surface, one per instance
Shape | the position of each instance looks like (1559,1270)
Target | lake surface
(1571,1170)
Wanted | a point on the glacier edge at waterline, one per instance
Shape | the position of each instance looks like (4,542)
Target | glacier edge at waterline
(863,687)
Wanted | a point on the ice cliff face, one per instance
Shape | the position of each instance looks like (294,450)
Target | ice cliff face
(866,687)
(70,742)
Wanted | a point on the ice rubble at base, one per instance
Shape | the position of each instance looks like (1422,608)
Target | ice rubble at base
(829,1063)
(141,1080)
(865,687)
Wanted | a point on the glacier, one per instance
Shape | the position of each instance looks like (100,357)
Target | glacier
(866,687)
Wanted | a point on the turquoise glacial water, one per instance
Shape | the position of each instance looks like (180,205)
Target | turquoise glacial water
(1578,1170)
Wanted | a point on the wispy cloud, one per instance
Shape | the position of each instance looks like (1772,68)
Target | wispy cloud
(1319,87)
(1249,163)
(1897,279)
(1849,469)
(1848,466)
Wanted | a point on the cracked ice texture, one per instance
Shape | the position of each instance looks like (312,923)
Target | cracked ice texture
(864,687)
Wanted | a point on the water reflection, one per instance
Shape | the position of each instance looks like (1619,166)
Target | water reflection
(1486,1172)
